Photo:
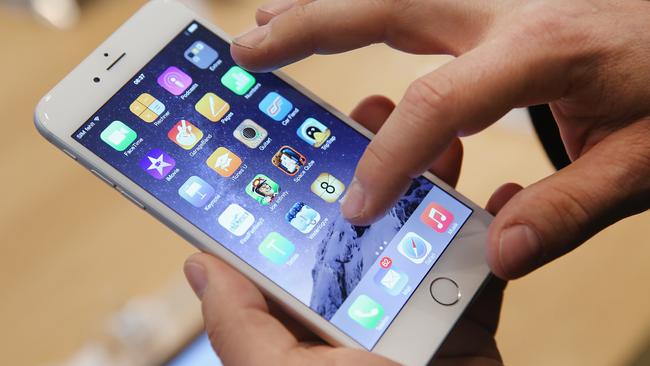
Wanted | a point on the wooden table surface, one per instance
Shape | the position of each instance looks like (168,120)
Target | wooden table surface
(73,251)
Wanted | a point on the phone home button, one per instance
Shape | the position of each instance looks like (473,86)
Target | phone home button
(445,291)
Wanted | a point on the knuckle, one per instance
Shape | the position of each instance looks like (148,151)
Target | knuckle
(554,38)
(552,23)
(426,101)
(392,15)
(426,95)
(562,209)
(568,203)
(379,155)
(302,18)
(301,14)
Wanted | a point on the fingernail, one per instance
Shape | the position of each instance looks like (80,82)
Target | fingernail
(354,200)
(277,7)
(252,38)
(197,277)
(520,250)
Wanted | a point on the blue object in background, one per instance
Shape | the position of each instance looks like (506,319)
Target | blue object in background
(197,353)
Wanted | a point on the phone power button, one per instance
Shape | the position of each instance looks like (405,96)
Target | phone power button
(445,291)
(130,198)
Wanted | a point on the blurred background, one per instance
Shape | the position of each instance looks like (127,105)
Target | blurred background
(86,278)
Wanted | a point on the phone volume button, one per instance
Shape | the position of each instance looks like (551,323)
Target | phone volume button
(130,198)
(69,154)
(100,176)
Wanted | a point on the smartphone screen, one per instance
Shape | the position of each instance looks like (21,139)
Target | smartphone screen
(261,168)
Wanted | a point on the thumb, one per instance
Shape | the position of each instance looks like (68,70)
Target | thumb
(236,315)
(557,214)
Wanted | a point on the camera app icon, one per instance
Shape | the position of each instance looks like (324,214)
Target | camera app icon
(250,133)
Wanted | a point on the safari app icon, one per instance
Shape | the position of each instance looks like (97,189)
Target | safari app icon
(414,247)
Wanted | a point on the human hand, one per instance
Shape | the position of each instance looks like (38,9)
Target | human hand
(587,58)
(245,329)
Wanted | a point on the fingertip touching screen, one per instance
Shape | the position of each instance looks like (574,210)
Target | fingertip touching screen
(261,168)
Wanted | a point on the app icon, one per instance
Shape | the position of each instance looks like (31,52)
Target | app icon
(391,280)
(236,219)
(174,80)
(212,107)
(224,162)
(414,248)
(327,187)
(366,312)
(250,133)
(302,217)
(288,160)
(185,134)
(147,107)
(118,135)
(313,132)
(201,55)
(263,189)
(276,248)
(437,217)
(196,191)
(238,80)
(157,163)
(275,106)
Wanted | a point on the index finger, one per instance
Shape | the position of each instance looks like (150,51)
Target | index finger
(460,98)
(307,27)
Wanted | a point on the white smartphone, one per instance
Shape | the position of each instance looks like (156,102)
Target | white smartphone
(250,167)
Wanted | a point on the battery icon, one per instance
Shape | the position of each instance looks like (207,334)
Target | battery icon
(192,28)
